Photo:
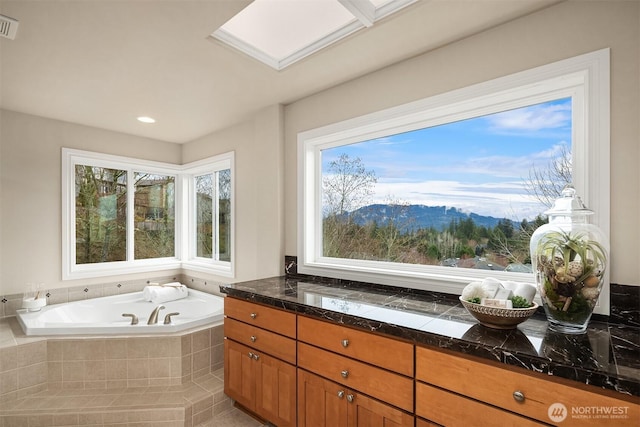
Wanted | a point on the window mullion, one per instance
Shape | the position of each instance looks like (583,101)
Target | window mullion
(130,209)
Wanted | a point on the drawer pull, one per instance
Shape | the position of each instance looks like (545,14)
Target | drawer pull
(344,373)
(253,315)
(518,396)
(253,338)
(350,397)
(340,394)
(250,355)
(345,343)
(256,357)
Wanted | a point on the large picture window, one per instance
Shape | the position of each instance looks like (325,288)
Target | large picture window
(123,215)
(446,190)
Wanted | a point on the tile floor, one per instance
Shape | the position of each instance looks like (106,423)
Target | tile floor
(233,418)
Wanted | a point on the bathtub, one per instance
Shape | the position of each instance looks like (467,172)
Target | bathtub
(104,315)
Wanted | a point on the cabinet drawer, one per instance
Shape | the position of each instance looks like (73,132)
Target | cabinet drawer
(377,350)
(494,385)
(387,386)
(450,409)
(278,321)
(276,345)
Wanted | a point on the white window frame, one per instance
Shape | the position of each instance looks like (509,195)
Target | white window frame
(584,78)
(189,256)
(184,215)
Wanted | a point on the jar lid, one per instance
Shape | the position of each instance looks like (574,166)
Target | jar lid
(569,204)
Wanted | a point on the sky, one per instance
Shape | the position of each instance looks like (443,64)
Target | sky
(477,165)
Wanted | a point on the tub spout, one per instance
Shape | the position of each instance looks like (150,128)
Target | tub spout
(153,317)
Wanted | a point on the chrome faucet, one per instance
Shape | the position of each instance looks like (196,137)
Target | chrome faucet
(153,317)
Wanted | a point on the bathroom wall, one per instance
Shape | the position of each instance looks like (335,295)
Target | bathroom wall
(266,152)
(259,174)
(30,184)
(562,31)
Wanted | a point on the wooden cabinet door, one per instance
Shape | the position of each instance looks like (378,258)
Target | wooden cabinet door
(364,411)
(321,403)
(239,374)
(275,390)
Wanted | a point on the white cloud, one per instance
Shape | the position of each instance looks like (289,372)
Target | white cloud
(534,118)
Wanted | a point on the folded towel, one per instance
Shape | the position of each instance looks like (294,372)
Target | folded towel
(164,293)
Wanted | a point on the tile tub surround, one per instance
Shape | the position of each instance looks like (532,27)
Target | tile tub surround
(36,369)
(606,356)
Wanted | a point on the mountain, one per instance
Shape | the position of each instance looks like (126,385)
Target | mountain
(414,217)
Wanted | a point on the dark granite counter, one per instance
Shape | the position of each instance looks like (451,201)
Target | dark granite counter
(606,356)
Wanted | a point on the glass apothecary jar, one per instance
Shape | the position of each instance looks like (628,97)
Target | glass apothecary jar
(569,258)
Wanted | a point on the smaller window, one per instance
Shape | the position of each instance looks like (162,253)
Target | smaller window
(210,203)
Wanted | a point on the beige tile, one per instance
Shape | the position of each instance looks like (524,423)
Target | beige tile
(201,340)
(32,375)
(116,348)
(203,416)
(43,420)
(164,347)
(16,421)
(8,382)
(89,418)
(202,360)
(54,371)
(137,348)
(54,350)
(95,385)
(88,349)
(186,344)
(138,368)
(142,382)
(94,370)
(160,368)
(116,369)
(217,335)
(8,358)
(29,354)
(186,365)
(73,371)
(65,419)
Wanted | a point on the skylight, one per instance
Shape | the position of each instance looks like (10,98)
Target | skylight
(281,32)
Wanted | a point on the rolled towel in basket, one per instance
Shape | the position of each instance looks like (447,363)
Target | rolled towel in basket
(164,293)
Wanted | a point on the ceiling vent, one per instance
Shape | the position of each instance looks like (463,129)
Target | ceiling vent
(8,27)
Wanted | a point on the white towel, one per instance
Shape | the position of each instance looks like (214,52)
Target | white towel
(165,293)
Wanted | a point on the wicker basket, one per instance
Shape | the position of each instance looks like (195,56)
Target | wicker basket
(499,318)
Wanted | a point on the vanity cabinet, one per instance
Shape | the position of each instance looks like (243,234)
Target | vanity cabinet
(324,403)
(450,389)
(260,358)
(345,375)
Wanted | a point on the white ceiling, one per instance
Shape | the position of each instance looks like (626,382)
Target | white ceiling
(103,63)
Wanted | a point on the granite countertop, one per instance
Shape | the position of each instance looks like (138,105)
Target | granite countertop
(606,356)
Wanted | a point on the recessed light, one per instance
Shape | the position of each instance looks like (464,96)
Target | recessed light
(145,119)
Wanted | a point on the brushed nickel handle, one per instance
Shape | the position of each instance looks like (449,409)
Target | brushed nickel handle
(344,373)
(350,397)
(167,318)
(340,394)
(256,357)
(250,355)
(253,338)
(518,396)
(253,315)
(345,343)
(134,318)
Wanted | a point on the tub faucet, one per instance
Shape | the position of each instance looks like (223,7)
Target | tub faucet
(153,317)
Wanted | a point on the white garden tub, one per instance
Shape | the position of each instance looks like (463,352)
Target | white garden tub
(103,316)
